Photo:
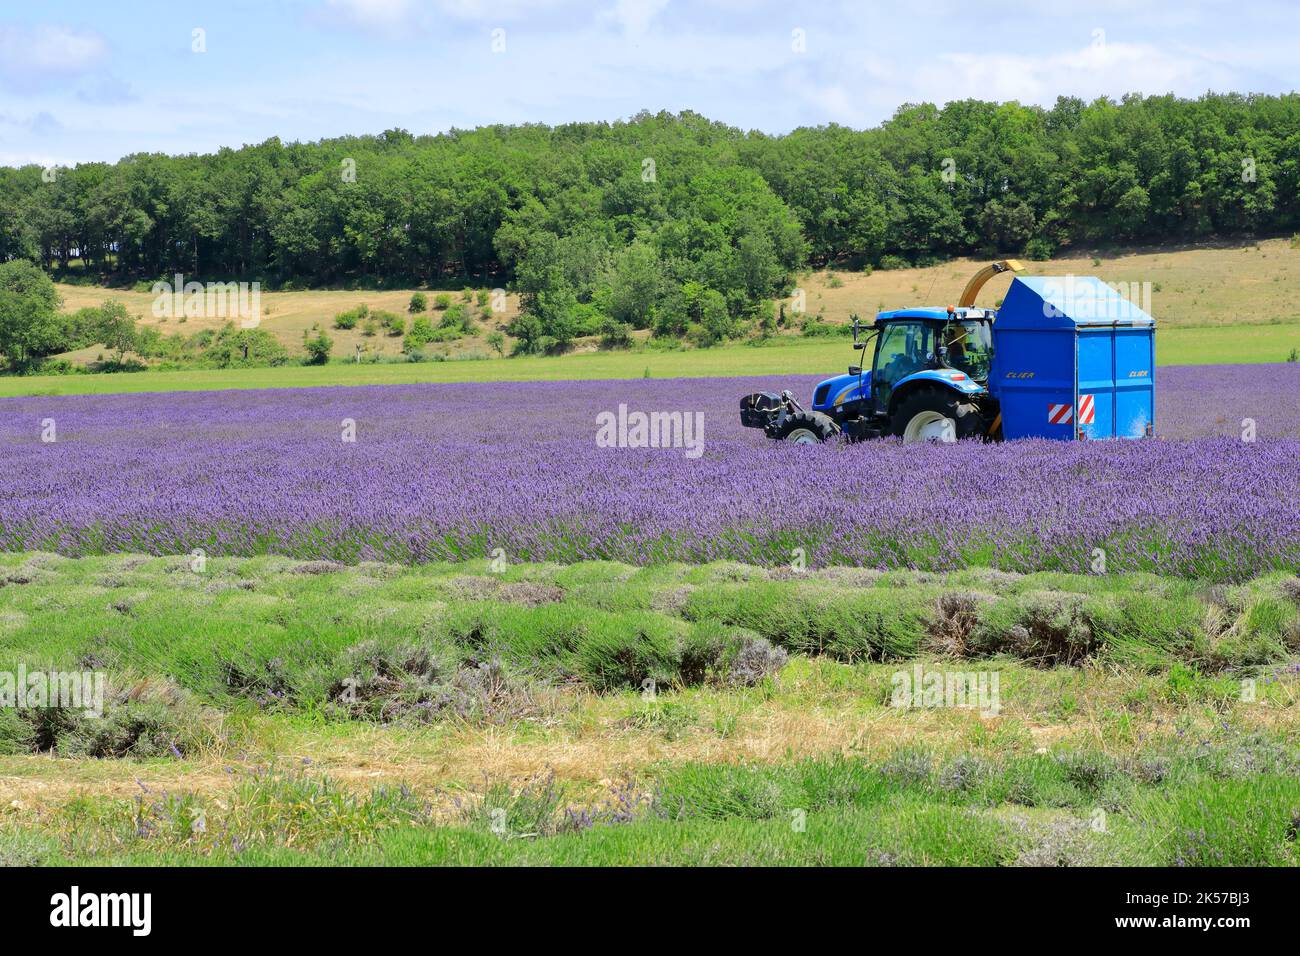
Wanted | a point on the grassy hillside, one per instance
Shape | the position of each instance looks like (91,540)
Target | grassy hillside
(287,315)
(1228,304)
(1254,283)
(1232,284)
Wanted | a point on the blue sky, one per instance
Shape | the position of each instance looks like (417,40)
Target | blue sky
(82,80)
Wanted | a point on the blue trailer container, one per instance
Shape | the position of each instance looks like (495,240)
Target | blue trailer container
(1073,359)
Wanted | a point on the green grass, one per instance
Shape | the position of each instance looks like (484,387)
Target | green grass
(1073,808)
(278,631)
(1177,346)
(506,718)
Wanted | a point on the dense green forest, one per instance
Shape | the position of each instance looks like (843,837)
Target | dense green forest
(666,220)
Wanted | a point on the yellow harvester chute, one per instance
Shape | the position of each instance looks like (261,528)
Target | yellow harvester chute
(977,281)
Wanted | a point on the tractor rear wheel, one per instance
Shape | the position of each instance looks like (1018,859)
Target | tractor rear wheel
(932,415)
(808,428)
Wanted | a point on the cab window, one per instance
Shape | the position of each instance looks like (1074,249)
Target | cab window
(904,348)
(970,348)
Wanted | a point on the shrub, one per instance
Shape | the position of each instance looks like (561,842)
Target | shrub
(388,681)
(629,650)
(814,328)
(539,639)
(615,334)
(702,652)
(1145,629)
(390,322)
(1039,249)
(17,735)
(56,367)
(242,348)
(26,848)
(956,614)
(419,303)
(318,348)
(1044,627)
(350,318)
(489,693)
(458,319)
(1262,632)
(266,681)
(420,334)
(838,781)
(889,263)
(753,661)
(765,319)
(963,773)
(442,301)
(863,624)
(143,719)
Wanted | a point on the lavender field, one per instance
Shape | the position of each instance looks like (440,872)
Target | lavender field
(455,471)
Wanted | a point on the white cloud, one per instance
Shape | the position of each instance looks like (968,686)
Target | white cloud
(862,91)
(31,56)
(424,15)
(373,12)
(635,16)
(35,159)
(1102,69)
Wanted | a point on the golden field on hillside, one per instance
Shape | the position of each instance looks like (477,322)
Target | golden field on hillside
(1204,286)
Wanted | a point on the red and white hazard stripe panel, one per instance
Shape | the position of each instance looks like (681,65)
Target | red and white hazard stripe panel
(1059,414)
(1087,410)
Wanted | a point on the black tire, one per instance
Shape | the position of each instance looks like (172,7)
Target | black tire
(805,427)
(932,402)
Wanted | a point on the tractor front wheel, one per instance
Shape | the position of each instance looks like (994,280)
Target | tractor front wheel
(809,428)
(931,415)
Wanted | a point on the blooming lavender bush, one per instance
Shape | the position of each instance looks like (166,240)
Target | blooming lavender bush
(456,471)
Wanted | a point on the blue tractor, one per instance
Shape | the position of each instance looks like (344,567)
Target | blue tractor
(1066,358)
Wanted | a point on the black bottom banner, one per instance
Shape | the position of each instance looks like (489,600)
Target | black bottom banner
(335,906)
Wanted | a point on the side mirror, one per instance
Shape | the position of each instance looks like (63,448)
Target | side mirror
(856,325)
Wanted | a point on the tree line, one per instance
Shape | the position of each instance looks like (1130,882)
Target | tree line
(667,221)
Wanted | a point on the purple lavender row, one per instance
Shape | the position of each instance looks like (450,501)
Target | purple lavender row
(453,471)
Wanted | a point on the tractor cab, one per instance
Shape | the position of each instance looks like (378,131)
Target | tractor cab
(912,342)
